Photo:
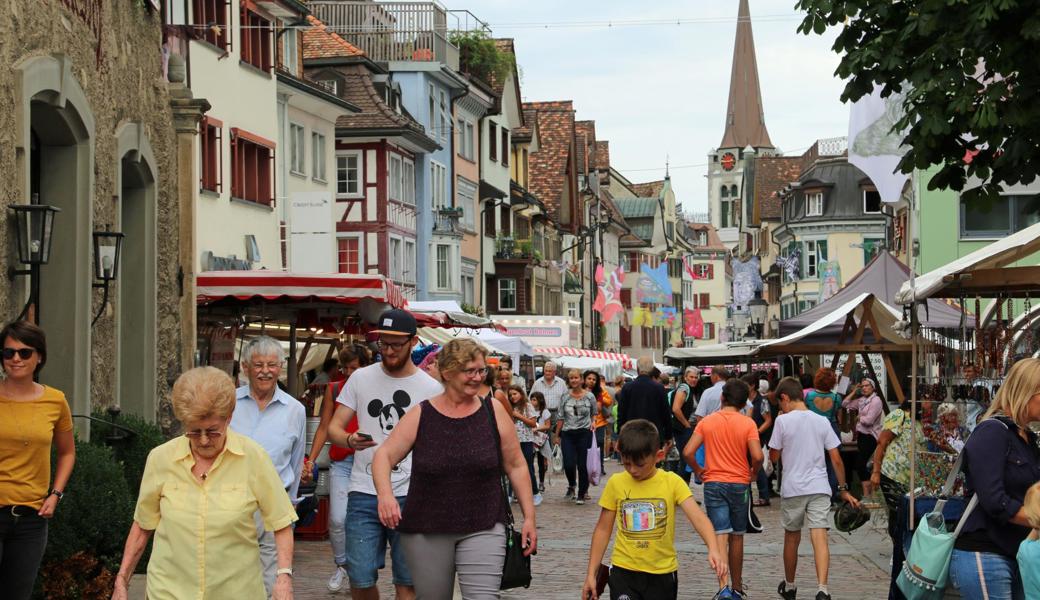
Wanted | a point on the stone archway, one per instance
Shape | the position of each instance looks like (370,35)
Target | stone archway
(137,292)
(55,155)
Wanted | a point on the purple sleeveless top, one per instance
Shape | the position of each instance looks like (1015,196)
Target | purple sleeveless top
(455,483)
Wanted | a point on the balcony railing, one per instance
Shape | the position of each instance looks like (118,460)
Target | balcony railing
(517,249)
(447,221)
(391,31)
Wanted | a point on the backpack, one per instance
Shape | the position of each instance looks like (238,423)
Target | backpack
(689,404)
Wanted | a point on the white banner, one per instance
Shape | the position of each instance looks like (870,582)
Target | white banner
(873,147)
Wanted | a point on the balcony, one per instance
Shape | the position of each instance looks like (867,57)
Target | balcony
(517,250)
(447,221)
(392,31)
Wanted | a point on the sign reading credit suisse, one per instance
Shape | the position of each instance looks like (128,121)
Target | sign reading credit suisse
(534,331)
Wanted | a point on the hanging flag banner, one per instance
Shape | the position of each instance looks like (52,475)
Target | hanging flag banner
(689,267)
(693,323)
(830,279)
(608,301)
(642,317)
(664,316)
(653,286)
(791,264)
(873,146)
(747,279)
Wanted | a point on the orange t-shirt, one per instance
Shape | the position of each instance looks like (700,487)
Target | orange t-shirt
(604,400)
(726,435)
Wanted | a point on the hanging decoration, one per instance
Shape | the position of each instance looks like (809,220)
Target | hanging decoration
(642,317)
(693,323)
(689,268)
(830,279)
(747,279)
(608,301)
(791,264)
(654,286)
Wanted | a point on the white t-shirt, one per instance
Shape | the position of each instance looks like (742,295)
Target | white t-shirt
(380,401)
(803,437)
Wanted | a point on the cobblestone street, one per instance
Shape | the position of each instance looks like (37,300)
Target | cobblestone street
(859,562)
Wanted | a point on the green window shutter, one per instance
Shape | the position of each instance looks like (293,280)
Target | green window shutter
(821,251)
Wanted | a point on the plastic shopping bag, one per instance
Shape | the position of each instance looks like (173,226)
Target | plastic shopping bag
(592,462)
(557,459)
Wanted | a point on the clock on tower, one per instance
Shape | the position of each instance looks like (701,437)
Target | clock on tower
(729,161)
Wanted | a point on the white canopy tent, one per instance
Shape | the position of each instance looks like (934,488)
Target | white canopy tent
(492,341)
(609,369)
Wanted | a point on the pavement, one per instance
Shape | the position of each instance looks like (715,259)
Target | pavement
(859,561)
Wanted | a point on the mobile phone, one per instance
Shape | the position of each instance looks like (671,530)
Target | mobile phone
(364,436)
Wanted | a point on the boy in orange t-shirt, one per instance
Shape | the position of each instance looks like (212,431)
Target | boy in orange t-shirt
(729,438)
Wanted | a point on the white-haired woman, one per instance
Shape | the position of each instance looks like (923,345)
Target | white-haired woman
(198,495)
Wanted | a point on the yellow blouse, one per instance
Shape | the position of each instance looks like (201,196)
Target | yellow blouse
(26,433)
(205,545)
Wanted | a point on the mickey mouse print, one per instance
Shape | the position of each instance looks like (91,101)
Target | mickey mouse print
(380,401)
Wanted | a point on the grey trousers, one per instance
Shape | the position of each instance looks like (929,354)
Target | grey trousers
(268,554)
(433,560)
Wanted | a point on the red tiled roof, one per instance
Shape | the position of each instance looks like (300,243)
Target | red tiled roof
(320,42)
(772,173)
(651,189)
(555,121)
(714,241)
(359,90)
(526,130)
(603,155)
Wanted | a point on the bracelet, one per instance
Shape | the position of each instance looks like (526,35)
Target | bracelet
(843,487)
(285,571)
(350,441)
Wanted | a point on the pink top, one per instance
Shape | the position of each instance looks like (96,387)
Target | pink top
(870,414)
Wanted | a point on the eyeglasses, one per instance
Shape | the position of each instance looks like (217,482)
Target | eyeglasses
(23,353)
(471,373)
(395,346)
(213,434)
(271,366)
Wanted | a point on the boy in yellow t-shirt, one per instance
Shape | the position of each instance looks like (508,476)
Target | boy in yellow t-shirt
(643,500)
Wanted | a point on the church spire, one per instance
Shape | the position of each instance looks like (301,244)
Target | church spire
(745,120)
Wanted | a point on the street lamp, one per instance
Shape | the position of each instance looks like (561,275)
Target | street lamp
(774,326)
(108,246)
(740,322)
(34,228)
(758,308)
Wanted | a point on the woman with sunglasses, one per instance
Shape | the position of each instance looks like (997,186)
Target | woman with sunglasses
(33,418)
(198,495)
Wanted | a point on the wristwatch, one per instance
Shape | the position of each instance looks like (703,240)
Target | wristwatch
(56,492)
(285,571)
(843,487)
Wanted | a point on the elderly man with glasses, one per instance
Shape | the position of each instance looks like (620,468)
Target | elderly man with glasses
(276,421)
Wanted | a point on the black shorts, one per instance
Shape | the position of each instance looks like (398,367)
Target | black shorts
(635,585)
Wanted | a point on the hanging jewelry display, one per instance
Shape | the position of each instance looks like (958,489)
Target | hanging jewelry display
(978,333)
(1027,323)
(998,337)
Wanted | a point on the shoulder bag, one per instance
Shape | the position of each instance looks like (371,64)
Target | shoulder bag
(516,570)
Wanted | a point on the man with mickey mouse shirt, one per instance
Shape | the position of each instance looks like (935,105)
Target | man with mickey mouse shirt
(379,394)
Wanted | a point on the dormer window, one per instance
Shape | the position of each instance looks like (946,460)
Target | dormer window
(814,204)
(871,201)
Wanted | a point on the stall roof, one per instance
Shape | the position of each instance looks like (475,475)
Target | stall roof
(281,286)
(499,342)
(626,361)
(882,277)
(713,352)
(803,340)
(977,273)
(445,313)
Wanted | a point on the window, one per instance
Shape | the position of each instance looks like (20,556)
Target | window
(815,253)
(527,173)
(709,331)
(733,191)
(506,220)
(725,191)
(349,255)
(572,310)
(395,174)
(505,147)
(1003,217)
(728,216)
(329,85)
(507,294)
(395,259)
(871,202)
(465,132)
(704,271)
(296,160)
(469,290)
(348,175)
(443,118)
(431,93)
(489,219)
(252,168)
(409,261)
(439,185)
(443,267)
(210,18)
(871,248)
(465,198)
(290,51)
(408,181)
(702,300)
(210,137)
(492,138)
(256,40)
(318,156)
(814,204)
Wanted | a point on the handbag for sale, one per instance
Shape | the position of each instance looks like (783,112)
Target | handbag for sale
(516,570)
(927,566)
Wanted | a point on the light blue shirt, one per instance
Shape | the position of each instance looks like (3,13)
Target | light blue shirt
(281,429)
(711,400)
(1029,566)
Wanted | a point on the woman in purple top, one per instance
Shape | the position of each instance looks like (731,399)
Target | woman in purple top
(454,515)
(864,401)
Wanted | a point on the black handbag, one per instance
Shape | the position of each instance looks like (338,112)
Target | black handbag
(516,570)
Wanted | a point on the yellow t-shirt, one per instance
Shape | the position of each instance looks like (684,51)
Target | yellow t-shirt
(26,433)
(205,536)
(645,510)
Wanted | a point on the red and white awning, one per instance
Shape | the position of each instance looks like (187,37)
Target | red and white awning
(337,288)
(626,361)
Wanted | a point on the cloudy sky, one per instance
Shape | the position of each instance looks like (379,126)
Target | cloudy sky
(659,90)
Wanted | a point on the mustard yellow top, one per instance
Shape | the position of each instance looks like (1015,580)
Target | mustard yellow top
(205,545)
(27,430)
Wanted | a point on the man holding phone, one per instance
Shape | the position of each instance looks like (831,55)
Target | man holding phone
(379,394)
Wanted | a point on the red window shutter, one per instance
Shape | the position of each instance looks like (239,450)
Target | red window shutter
(236,167)
(626,336)
(626,298)
(711,271)
(703,300)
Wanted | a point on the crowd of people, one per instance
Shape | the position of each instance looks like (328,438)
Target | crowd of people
(420,432)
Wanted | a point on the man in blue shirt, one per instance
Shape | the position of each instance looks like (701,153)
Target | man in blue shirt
(276,421)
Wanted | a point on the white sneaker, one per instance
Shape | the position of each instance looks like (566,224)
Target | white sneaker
(537,499)
(336,581)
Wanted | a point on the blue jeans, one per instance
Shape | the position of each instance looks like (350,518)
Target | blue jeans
(527,448)
(682,437)
(763,485)
(366,543)
(575,446)
(339,490)
(985,575)
(727,506)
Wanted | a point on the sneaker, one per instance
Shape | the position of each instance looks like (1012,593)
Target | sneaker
(336,581)
(541,487)
(785,593)
(569,494)
(821,595)
(579,501)
(739,594)
(537,499)
(723,594)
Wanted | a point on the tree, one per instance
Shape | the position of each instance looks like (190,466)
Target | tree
(970,72)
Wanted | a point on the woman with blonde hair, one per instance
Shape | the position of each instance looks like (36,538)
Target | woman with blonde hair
(574,430)
(198,495)
(1001,462)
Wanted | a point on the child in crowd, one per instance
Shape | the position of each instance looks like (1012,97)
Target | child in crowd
(643,500)
(541,439)
(1029,550)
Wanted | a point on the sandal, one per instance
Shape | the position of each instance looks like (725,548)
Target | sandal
(760,502)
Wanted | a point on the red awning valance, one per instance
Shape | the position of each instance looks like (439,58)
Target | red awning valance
(338,288)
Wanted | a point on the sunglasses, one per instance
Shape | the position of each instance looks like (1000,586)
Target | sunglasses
(23,353)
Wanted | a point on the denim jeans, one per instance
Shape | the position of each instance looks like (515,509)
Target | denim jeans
(726,505)
(682,437)
(339,490)
(367,541)
(985,575)
(601,438)
(527,448)
(23,539)
(575,445)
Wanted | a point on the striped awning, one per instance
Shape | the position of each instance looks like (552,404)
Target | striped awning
(336,288)
(626,361)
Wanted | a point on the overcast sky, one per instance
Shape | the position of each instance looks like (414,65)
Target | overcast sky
(657,90)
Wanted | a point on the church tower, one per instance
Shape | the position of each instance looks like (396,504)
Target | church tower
(745,135)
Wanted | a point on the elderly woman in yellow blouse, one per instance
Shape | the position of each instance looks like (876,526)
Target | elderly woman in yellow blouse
(198,496)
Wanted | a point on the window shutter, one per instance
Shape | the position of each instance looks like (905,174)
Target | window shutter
(821,251)
(704,300)
(711,271)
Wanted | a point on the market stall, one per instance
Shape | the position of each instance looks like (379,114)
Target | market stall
(608,369)
(558,352)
